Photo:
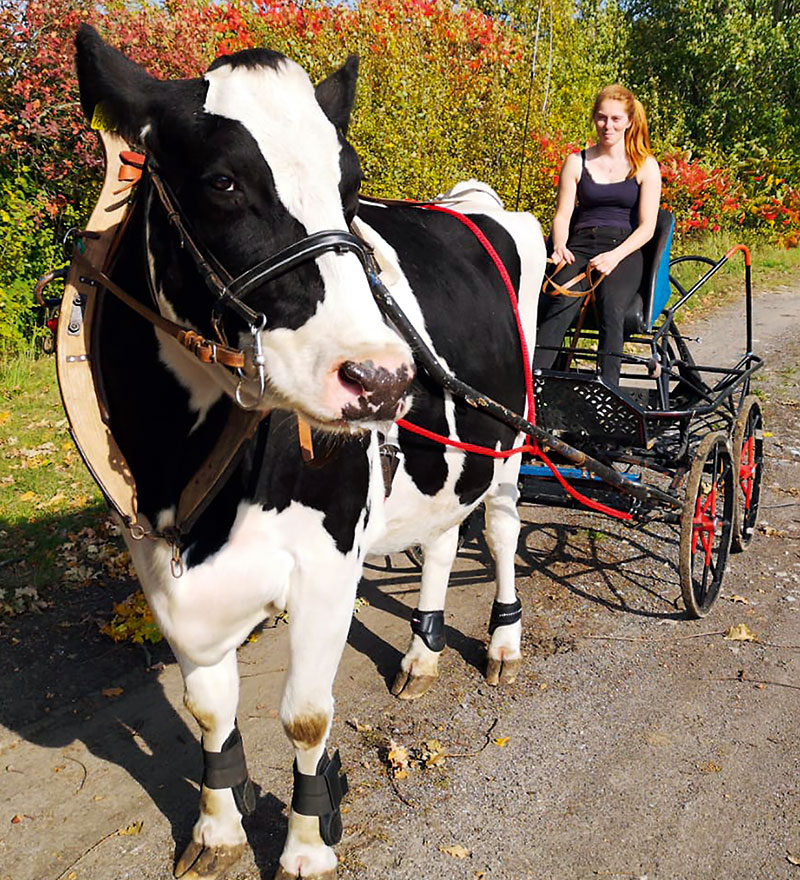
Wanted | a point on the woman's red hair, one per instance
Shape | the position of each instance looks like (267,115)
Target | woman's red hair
(637,137)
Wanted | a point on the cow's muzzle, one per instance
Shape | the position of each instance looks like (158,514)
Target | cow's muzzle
(376,392)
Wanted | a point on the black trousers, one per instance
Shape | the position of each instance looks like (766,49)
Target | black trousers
(614,296)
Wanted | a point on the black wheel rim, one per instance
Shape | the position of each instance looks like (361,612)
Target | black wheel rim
(751,462)
(707,525)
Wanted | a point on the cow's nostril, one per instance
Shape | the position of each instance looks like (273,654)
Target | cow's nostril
(357,377)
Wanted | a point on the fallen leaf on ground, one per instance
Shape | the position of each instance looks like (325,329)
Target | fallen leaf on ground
(133,828)
(357,725)
(740,633)
(27,496)
(4,416)
(15,820)
(501,741)
(792,859)
(456,851)
(709,767)
(737,599)
(111,692)
(772,532)
(398,760)
(433,753)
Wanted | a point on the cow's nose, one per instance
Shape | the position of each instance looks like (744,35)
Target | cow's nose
(376,390)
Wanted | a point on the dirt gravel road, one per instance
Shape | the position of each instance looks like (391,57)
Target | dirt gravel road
(635,743)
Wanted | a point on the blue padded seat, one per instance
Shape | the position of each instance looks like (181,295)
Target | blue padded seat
(654,292)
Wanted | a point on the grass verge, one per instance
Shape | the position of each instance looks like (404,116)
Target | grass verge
(54,527)
(771,267)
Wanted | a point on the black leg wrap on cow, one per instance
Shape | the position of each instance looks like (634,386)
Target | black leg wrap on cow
(228,769)
(321,795)
(429,626)
(504,613)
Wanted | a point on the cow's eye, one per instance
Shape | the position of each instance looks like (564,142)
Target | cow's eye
(222,183)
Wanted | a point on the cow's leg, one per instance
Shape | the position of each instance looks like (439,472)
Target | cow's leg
(505,628)
(419,667)
(211,694)
(319,619)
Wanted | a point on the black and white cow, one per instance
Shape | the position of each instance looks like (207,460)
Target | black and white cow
(257,159)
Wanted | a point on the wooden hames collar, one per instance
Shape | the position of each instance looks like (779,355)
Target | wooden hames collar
(80,387)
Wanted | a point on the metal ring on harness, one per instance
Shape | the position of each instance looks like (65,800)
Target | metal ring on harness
(321,794)
(228,769)
(429,626)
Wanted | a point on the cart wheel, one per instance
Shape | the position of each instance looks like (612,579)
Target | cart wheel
(748,465)
(706,524)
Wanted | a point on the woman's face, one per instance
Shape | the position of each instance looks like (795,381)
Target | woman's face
(611,121)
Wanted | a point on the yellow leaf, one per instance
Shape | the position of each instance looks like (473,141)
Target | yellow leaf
(792,859)
(4,416)
(27,496)
(433,753)
(111,692)
(398,759)
(736,598)
(501,741)
(740,633)
(709,767)
(456,851)
(133,828)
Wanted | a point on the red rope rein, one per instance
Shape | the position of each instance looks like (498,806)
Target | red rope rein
(531,445)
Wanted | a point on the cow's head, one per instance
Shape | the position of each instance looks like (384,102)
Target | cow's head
(257,160)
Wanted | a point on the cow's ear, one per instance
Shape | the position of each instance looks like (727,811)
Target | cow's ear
(116,93)
(337,93)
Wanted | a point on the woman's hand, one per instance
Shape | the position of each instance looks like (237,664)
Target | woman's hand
(605,263)
(563,255)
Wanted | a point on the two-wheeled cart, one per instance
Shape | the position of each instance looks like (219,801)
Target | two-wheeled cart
(687,438)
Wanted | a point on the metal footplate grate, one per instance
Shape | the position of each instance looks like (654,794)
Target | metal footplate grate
(576,407)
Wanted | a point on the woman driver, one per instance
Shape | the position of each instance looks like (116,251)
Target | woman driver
(617,184)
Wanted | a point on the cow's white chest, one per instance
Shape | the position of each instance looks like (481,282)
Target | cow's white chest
(212,607)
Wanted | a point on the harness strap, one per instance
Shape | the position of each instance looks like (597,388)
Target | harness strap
(203,349)
(200,491)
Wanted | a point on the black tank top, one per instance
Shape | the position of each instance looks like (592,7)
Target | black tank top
(606,204)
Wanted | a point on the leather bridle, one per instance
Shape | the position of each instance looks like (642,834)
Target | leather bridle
(230,292)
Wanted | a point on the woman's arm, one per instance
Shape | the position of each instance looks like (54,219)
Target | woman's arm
(565,205)
(649,201)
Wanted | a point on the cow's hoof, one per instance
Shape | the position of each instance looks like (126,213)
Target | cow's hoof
(283,874)
(411,687)
(502,671)
(199,862)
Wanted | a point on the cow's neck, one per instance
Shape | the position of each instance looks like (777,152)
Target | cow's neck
(165,410)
